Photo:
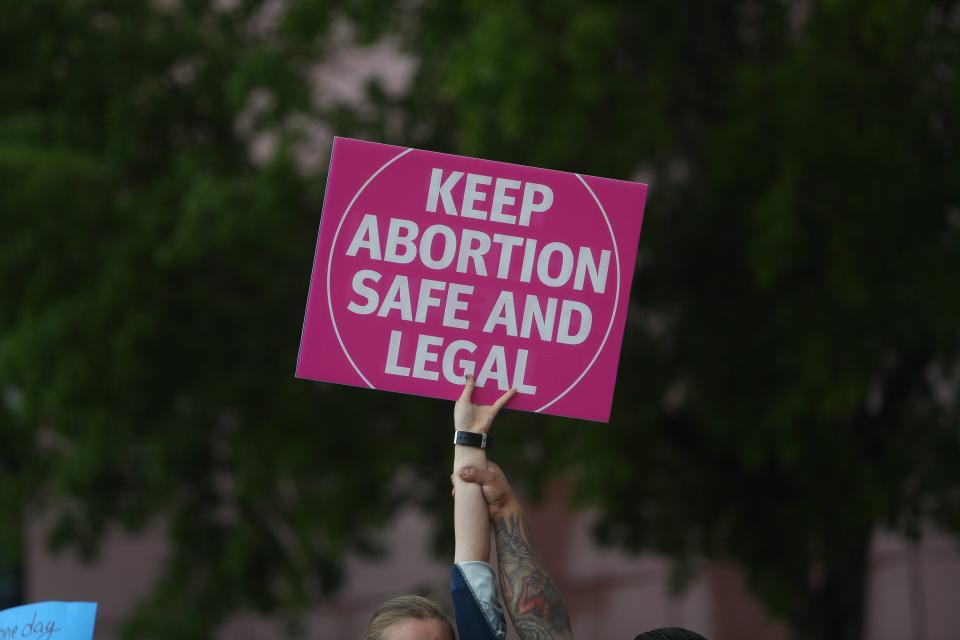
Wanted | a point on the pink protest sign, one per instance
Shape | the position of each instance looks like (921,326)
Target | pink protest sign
(430,266)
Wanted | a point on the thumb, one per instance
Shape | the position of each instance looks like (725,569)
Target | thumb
(475,474)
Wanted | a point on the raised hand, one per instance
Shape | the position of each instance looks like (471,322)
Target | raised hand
(477,417)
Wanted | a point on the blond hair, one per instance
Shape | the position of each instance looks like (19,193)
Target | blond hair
(405,608)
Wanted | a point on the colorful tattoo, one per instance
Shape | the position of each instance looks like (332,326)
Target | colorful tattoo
(531,596)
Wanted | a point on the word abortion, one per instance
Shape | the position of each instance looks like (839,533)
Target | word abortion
(472,248)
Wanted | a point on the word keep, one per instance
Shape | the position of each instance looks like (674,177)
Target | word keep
(536,198)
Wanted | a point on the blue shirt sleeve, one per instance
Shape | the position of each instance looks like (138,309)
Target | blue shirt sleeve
(478,611)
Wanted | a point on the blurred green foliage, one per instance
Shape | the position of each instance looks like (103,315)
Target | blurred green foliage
(789,378)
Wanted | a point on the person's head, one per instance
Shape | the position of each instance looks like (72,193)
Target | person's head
(409,618)
(670,633)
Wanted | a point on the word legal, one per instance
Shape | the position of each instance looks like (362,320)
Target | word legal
(455,368)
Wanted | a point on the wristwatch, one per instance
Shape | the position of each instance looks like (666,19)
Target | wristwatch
(471,439)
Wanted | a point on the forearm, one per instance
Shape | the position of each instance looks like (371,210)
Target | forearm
(470,521)
(532,598)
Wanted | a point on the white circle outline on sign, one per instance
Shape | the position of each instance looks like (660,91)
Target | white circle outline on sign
(333,245)
(616,298)
(336,234)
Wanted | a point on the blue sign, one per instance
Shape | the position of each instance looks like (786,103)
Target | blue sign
(49,621)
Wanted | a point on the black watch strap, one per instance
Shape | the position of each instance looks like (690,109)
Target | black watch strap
(471,439)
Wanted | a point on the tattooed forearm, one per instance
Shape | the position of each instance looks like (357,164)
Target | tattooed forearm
(531,596)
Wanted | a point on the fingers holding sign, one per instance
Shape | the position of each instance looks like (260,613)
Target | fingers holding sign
(468,416)
(503,400)
(467,394)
